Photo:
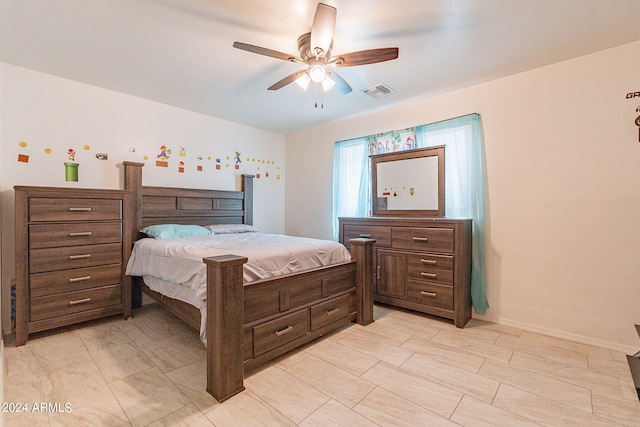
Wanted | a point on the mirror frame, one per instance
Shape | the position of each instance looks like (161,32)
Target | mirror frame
(379,209)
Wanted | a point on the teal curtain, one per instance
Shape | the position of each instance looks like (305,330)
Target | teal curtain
(351,180)
(464,184)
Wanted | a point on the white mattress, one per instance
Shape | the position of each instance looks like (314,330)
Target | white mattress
(174,267)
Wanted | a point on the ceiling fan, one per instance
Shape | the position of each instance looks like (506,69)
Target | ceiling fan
(315,52)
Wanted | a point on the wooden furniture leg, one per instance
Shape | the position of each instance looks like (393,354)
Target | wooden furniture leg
(225,316)
(362,252)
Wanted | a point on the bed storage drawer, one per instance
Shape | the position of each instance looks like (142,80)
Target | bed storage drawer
(329,311)
(74,302)
(73,234)
(431,294)
(423,239)
(52,259)
(54,282)
(73,209)
(276,332)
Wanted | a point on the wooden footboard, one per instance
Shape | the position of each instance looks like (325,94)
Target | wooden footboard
(248,325)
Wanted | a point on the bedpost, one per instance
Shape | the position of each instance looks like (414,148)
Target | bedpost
(247,188)
(225,318)
(362,252)
(132,223)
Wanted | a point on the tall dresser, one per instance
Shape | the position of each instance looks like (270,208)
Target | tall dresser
(69,257)
(422,264)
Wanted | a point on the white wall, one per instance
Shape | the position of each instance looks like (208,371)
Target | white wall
(44,116)
(562,198)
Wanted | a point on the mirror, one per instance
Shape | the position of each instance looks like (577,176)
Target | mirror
(409,182)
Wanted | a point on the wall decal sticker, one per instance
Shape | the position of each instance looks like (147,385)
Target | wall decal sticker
(71,153)
(48,150)
(161,159)
(633,95)
(86,148)
(218,163)
(181,167)
(183,152)
(237,160)
(71,172)
(102,156)
(22,144)
(23,158)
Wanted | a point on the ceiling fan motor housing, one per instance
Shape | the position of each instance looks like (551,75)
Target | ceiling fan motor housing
(304,47)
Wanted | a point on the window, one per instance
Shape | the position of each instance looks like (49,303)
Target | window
(464,180)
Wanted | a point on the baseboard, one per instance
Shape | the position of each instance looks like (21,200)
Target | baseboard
(561,334)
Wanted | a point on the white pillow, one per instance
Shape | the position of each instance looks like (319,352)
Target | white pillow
(231,228)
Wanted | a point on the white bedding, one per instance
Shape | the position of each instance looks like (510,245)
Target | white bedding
(178,262)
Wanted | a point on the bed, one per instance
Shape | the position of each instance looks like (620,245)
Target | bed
(249,319)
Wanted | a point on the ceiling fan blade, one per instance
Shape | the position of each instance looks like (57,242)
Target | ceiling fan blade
(364,57)
(264,51)
(289,79)
(324,24)
(341,84)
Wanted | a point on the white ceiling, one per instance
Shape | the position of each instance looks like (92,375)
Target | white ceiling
(179,52)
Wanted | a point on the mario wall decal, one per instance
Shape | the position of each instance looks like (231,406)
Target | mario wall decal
(161,159)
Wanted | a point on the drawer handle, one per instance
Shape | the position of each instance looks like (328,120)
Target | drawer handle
(284,331)
(330,312)
(420,239)
(429,275)
(368,236)
(80,256)
(80,301)
(79,209)
(428,294)
(79,279)
(79,233)
(428,261)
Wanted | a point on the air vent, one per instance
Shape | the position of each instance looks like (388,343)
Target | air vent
(378,91)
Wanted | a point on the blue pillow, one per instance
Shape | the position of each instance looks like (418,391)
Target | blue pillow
(171,231)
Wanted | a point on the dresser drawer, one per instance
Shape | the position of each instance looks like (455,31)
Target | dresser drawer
(381,233)
(60,209)
(329,311)
(272,334)
(423,239)
(434,268)
(52,259)
(73,234)
(430,294)
(76,279)
(74,302)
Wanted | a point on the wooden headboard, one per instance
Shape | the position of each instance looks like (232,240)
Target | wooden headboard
(169,205)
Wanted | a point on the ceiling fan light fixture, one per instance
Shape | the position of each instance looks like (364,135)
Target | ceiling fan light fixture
(303,81)
(327,83)
(317,73)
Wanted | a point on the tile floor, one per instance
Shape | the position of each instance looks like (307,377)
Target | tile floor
(406,369)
